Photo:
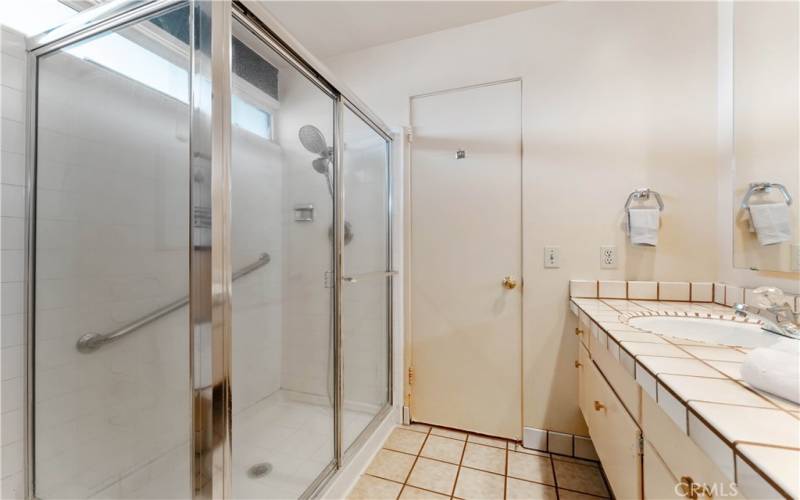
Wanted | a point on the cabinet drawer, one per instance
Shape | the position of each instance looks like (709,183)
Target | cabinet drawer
(625,386)
(679,453)
(659,483)
(614,433)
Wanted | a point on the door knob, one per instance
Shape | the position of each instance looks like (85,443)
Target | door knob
(598,406)
(509,283)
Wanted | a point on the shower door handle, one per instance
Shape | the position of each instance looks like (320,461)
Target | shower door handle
(358,277)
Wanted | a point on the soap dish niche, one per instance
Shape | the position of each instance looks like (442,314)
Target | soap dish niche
(304,212)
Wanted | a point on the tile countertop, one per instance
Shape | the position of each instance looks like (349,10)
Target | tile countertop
(752,436)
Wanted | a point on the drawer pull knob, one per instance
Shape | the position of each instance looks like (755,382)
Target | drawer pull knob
(578,331)
(692,490)
(578,364)
(599,406)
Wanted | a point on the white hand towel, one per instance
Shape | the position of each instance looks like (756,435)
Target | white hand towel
(643,226)
(774,371)
(771,222)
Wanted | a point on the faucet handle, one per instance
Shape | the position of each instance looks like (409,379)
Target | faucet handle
(769,296)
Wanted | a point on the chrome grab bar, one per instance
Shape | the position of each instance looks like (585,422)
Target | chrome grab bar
(90,342)
(375,274)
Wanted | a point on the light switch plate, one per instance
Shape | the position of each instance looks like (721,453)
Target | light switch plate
(608,257)
(552,257)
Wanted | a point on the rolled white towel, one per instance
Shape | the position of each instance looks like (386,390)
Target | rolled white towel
(643,226)
(771,222)
(774,371)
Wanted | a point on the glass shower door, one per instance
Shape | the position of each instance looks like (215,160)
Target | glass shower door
(282,213)
(366,278)
(112,398)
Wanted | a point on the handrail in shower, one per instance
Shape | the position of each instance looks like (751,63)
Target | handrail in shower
(91,342)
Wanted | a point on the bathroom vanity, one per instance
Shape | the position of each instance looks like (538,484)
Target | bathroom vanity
(669,416)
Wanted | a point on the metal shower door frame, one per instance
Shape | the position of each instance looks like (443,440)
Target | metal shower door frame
(210,277)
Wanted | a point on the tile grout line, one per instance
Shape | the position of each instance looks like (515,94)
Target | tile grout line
(505,477)
(402,484)
(460,461)
(555,479)
(408,476)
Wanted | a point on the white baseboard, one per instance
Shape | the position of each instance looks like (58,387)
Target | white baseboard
(346,478)
(558,442)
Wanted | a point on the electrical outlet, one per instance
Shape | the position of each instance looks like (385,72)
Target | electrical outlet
(608,257)
(552,257)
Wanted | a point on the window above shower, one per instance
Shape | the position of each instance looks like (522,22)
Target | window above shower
(254,104)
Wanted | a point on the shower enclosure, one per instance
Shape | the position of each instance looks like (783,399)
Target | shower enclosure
(209,271)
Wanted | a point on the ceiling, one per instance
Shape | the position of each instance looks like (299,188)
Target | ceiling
(328,28)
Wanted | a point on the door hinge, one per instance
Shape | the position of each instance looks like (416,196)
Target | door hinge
(641,444)
(410,375)
(410,135)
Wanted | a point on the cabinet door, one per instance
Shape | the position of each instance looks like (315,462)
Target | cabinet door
(614,433)
(659,483)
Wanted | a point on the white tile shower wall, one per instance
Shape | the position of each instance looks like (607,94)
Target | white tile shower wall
(112,246)
(307,309)
(12,182)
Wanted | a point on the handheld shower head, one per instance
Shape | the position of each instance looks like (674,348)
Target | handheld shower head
(312,139)
(320,165)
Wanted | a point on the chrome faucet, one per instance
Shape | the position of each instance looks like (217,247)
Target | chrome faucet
(776,317)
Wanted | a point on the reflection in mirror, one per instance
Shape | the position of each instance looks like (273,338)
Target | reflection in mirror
(766,136)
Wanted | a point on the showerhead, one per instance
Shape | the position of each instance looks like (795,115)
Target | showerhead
(321,165)
(312,139)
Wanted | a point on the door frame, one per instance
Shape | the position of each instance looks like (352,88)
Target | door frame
(408,336)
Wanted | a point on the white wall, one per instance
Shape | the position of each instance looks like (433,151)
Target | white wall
(12,337)
(616,96)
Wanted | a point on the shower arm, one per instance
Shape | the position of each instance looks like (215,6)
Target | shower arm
(91,342)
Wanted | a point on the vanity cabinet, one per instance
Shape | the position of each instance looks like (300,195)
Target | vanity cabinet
(687,463)
(643,452)
(658,479)
(615,435)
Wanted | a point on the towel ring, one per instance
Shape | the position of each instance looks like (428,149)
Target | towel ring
(642,195)
(766,187)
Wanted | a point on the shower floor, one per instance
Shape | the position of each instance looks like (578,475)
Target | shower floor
(291,433)
(294,436)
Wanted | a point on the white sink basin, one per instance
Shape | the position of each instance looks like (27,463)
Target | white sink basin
(714,331)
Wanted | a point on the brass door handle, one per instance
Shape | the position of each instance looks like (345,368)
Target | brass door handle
(578,331)
(509,283)
(599,406)
(578,364)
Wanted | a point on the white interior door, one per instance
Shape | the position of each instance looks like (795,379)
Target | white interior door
(465,240)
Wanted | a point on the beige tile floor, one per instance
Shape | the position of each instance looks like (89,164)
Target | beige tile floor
(420,461)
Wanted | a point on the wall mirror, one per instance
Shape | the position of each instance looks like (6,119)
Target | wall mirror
(766,136)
